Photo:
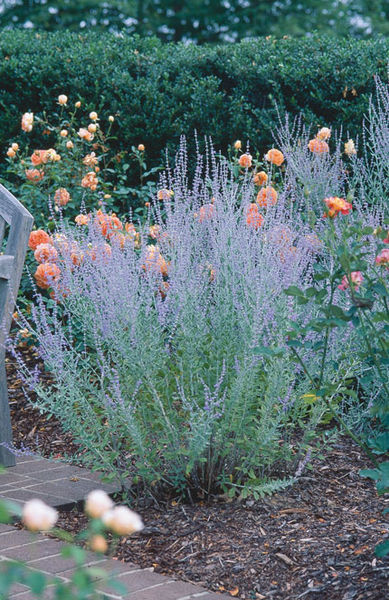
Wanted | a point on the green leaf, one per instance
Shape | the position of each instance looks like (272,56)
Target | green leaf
(370,473)
(293,290)
(382,549)
(36,581)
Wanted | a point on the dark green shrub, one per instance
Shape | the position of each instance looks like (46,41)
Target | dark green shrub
(159,91)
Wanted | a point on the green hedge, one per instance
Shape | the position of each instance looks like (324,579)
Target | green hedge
(160,91)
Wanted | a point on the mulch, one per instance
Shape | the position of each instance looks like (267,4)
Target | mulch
(314,540)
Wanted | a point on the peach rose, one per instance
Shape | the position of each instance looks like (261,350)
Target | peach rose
(260,178)
(61,197)
(253,216)
(275,156)
(90,181)
(98,543)
(337,205)
(324,133)
(84,134)
(267,196)
(349,148)
(154,261)
(39,157)
(318,146)
(38,236)
(165,194)
(90,160)
(45,253)
(47,274)
(82,219)
(246,161)
(34,175)
(27,121)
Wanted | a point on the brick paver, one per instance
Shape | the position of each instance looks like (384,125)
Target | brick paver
(42,553)
(62,486)
(56,483)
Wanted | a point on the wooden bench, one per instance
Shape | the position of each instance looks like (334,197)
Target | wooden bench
(17,222)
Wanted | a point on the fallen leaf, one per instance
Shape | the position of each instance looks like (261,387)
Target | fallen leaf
(234,592)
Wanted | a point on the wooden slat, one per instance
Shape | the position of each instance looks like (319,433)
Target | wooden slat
(2,229)
(7,459)
(11,267)
(6,267)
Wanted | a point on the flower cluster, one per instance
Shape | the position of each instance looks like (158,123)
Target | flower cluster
(38,516)
(76,166)
(119,519)
(266,196)
(319,145)
(337,205)
(356,278)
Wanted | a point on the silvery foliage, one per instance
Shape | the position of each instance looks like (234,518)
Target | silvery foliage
(177,387)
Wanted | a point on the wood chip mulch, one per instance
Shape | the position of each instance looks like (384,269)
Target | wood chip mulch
(313,541)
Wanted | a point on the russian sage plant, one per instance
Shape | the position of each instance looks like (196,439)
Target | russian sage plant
(160,342)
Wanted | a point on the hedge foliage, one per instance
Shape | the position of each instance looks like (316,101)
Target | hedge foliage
(159,91)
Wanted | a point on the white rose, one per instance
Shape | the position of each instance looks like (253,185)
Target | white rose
(37,516)
(122,520)
(97,503)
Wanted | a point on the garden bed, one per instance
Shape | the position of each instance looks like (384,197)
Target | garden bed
(314,540)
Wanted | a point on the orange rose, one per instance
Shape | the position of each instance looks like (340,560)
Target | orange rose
(267,196)
(104,252)
(206,212)
(39,157)
(318,146)
(61,197)
(82,219)
(46,274)
(155,231)
(107,223)
(337,205)
(76,256)
(45,253)
(84,134)
(260,178)
(165,194)
(34,175)
(90,160)
(275,156)
(130,228)
(90,181)
(154,261)
(246,161)
(38,237)
(59,294)
(253,216)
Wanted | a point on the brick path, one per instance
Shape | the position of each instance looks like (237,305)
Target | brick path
(62,486)
(56,483)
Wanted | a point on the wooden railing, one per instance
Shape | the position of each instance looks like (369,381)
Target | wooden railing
(15,227)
